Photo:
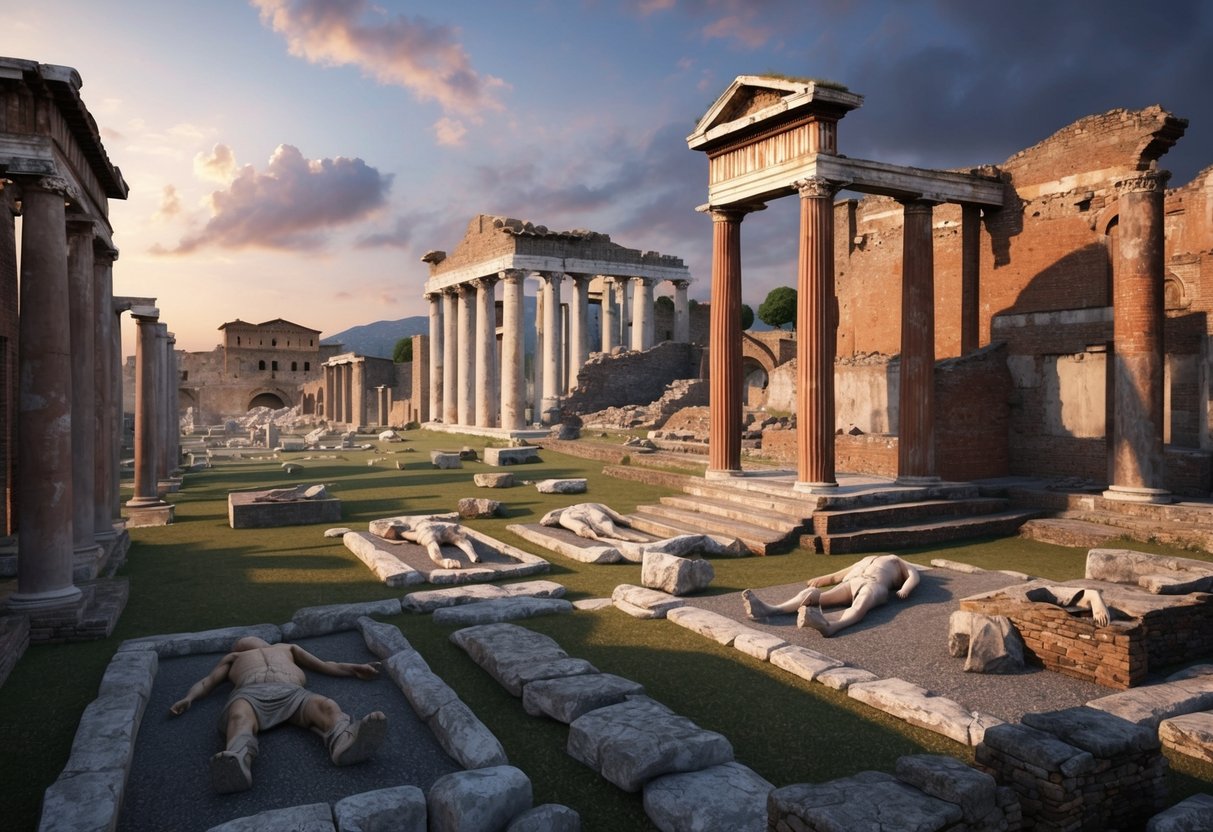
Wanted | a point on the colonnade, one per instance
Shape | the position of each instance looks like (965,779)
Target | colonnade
(157,430)
(349,398)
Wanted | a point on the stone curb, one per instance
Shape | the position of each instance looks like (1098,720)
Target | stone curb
(376,553)
(569,549)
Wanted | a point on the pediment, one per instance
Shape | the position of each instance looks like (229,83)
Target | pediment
(753,99)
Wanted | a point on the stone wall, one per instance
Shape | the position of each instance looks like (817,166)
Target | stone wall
(631,377)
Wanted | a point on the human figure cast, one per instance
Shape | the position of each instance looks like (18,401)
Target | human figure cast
(1073,596)
(432,534)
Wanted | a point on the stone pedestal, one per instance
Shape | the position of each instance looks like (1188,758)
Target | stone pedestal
(916,401)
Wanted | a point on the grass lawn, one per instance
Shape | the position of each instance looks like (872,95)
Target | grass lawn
(199,573)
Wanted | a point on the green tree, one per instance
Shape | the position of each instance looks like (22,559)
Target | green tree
(402,353)
(747,317)
(779,308)
(664,302)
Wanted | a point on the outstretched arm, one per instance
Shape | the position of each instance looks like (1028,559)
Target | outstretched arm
(911,581)
(309,662)
(204,685)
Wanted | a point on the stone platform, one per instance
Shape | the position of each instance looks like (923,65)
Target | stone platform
(245,512)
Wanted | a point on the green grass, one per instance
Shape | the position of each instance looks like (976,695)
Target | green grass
(199,573)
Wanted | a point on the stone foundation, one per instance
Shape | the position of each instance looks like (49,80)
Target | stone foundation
(244,512)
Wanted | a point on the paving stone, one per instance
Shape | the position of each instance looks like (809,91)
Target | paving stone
(385,565)
(719,628)
(221,640)
(550,817)
(920,707)
(477,801)
(841,678)
(105,737)
(130,671)
(1190,734)
(758,644)
(397,809)
(333,618)
(805,663)
(1045,751)
(728,797)
(1190,815)
(1105,735)
(465,738)
(566,486)
(658,603)
(947,778)
(565,699)
(83,802)
(382,639)
(675,575)
(591,604)
(870,800)
(310,817)
(639,739)
(1151,704)
(501,609)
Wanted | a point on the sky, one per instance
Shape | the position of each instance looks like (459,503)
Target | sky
(296,158)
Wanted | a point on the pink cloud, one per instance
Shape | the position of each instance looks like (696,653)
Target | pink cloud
(449,131)
(219,165)
(170,203)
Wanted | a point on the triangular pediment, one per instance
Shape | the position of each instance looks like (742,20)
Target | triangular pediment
(753,99)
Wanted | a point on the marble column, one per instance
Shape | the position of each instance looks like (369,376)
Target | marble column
(338,403)
(146,504)
(358,394)
(163,466)
(487,400)
(173,422)
(513,382)
(381,406)
(450,357)
(44,409)
(724,387)
(970,278)
(327,408)
(347,394)
(916,396)
(86,553)
(118,411)
(109,412)
(610,322)
(682,312)
(466,363)
(1137,331)
(642,313)
(579,326)
(436,362)
(549,406)
(816,332)
(621,304)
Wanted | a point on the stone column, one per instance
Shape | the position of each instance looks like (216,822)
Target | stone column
(163,441)
(724,389)
(916,399)
(109,412)
(550,403)
(118,410)
(381,406)
(513,384)
(1139,359)
(450,360)
(487,400)
(466,363)
(358,393)
(682,312)
(86,553)
(327,409)
(537,358)
(347,394)
(173,422)
(146,508)
(621,303)
(642,313)
(338,404)
(579,326)
(816,333)
(970,278)
(610,323)
(436,363)
(44,410)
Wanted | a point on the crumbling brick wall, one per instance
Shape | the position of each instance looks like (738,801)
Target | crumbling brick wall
(631,377)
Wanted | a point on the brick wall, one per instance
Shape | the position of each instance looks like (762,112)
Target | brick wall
(971,415)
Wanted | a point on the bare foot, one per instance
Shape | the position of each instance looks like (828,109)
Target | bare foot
(755,608)
(359,739)
(815,618)
(231,771)
(450,563)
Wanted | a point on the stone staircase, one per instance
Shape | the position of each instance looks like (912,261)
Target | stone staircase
(1082,519)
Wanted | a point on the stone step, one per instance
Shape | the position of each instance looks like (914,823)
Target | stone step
(918,534)
(664,522)
(1061,531)
(899,514)
(885,495)
(740,510)
(1143,528)
(756,500)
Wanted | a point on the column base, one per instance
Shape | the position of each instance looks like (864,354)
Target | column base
(34,602)
(722,473)
(1135,494)
(815,487)
(912,480)
(156,514)
(86,562)
(168,486)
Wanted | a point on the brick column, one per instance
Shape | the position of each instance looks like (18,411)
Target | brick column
(642,313)
(109,412)
(816,333)
(1139,358)
(579,326)
(970,278)
(86,554)
(916,399)
(513,384)
(682,312)
(549,405)
(450,357)
(44,408)
(436,363)
(724,390)
(610,323)
(487,400)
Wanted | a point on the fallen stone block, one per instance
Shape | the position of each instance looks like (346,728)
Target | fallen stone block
(386,566)
(445,459)
(478,507)
(1189,815)
(254,509)
(474,801)
(805,663)
(567,698)
(337,532)
(758,644)
(948,779)
(382,639)
(516,656)
(993,644)
(643,613)
(333,618)
(592,604)
(728,797)
(501,609)
(675,575)
(574,550)
(841,678)
(1159,574)
(550,817)
(1190,734)
(719,628)
(649,600)
(639,739)
(83,801)
(465,738)
(468,454)
(868,800)
(920,707)
(504,480)
(399,809)
(426,692)
(105,737)
(569,486)
(426,601)
(511,456)
(310,817)
(1151,704)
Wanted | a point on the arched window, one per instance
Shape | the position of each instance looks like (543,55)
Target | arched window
(260,365)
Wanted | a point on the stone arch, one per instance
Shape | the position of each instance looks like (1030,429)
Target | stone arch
(272,397)
(757,351)
(755,379)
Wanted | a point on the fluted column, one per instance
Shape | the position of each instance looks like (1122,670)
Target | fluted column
(621,305)
(682,312)
(85,551)
(44,409)
(724,387)
(916,396)
(105,431)
(970,278)
(642,313)
(816,331)
(610,322)
(1137,331)
(513,384)
(579,326)
(436,357)
(466,363)
(550,403)
(487,399)
(450,356)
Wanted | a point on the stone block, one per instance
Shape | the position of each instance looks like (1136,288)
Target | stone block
(592,604)
(340,531)
(82,802)
(426,692)
(478,507)
(105,737)
(1189,815)
(994,645)
(382,639)
(396,809)
(566,486)
(1104,735)
(803,662)
(465,738)
(1190,734)
(1152,704)
(1045,751)
(566,698)
(675,575)
(511,456)
(504,480)
(246,511)
(719,628)
(657,603)
(725,798)
(841,678)
(573,549)
(758,644)
(445,459)
(643,613)
(949,779)
(501,609)
(333,618)
(475,801)
(220,640)
(386,566)
(1160,574)
(920,707)
(131,671)
(550,817)
(309,817)
(428,600)
(868,800)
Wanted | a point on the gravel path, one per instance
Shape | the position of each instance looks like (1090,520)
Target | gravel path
(169,787)
(909,639)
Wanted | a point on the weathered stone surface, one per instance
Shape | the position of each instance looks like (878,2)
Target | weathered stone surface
(318,621)
(841,678)
(1044,750)
(465,738)
(960,625)
(631,743)
(501,609)
(83,802)
(428,600)
(476,801)
(516,656)
(205,641)
(534,589)
(572,549)
(1104,735)
(591,604)
(382,639)
(1151,704)
(131,671)
(956,566)
(468,454)
(949,779)
(397,809)
(728,797)
(994,645)
(550,817)
(310,817)
(477,507)
(445,459)
(920,707)
(675,575)
(426,691)
(568,486)
(870,800)
(511,456)
(715,626)
(340,531)
(758,644)
(1160,574)
(658,603)
(803,662)
(643,613)
(565,699)
(1190,734)
(386,566)
(494,480)
(265,509)
(390,435)
(105,738)
(1190,815)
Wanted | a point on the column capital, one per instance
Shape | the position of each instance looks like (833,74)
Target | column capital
(549,277)
(511,274)
(102,251)
(732,213)
(81,224)
(52,184)
(465,289)
(434,296)
(641,280)
(1152,181)
(816,187)
(488,281)
(680,283)
(917,205)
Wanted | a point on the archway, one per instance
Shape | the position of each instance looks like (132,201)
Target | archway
(270,400)
(754,383)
